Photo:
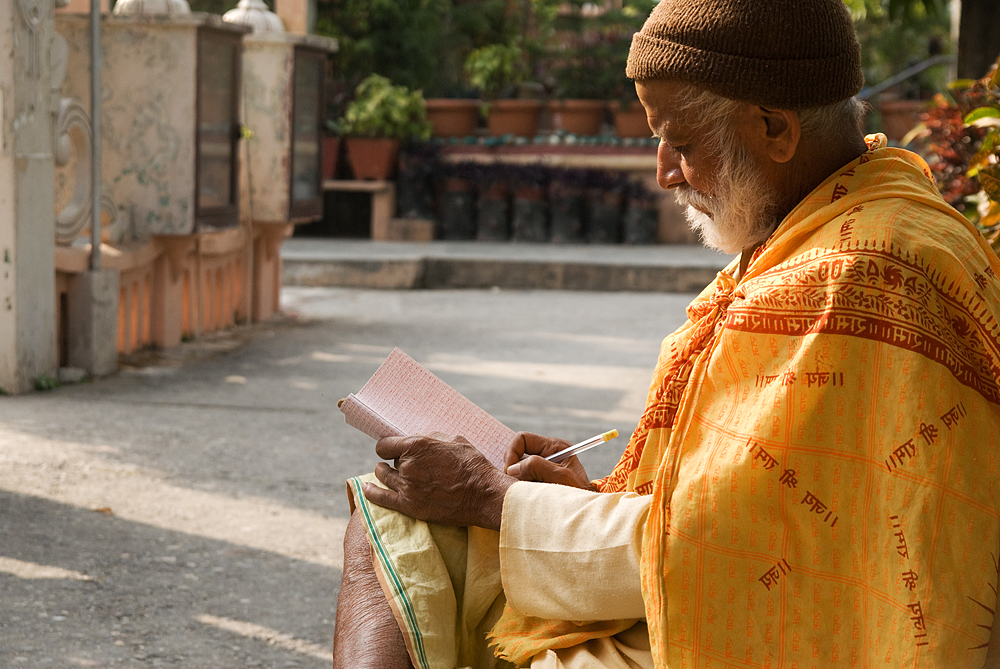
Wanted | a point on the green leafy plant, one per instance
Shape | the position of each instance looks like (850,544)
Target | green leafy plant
(414,43)
(588,56)
(381,109)
(46,382)
(896,34)
(960,135)
(496,70)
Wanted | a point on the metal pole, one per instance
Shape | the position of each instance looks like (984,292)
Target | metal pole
(95,133)
(904,75)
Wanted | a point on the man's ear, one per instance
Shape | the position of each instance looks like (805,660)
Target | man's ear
(782,132)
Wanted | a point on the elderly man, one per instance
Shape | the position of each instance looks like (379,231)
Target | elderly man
(813,482)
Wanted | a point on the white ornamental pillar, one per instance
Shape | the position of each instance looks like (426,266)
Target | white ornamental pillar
(28,350)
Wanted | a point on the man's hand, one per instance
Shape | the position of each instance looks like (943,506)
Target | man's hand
(440,479)
(535,467)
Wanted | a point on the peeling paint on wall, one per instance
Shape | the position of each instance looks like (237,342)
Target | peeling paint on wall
(148,129)
(268,68)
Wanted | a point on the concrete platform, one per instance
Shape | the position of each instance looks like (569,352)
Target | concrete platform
(351,263)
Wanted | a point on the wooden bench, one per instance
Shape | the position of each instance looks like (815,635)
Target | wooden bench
(383,201)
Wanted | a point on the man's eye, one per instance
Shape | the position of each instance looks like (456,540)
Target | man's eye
(680,149)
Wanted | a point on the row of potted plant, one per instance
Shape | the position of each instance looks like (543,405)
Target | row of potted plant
(521,117)
(587,81)
(540,204)
(526,203)
(383,114)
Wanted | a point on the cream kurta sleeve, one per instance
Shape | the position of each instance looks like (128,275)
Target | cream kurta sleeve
(571,554)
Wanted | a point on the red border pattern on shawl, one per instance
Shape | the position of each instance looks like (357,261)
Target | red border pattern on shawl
(882,294)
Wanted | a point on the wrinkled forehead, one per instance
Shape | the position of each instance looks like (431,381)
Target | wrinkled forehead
(662,91)
(674,105)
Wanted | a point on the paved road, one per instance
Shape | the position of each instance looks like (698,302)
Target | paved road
(189,511)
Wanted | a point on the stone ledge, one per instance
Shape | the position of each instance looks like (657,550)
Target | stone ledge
(452,273)
(384,274)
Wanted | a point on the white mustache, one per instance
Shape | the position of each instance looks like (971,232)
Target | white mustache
(689,197)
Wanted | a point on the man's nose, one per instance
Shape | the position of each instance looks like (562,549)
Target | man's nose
(668,167)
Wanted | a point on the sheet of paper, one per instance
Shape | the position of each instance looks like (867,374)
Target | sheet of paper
(402,398)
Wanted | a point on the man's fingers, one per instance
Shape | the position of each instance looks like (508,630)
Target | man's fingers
(515,450)
(534,468)
(387,475)
(526,443)
(380,496)
(390,448)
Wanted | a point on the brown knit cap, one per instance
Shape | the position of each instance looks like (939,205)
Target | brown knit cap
(784,54)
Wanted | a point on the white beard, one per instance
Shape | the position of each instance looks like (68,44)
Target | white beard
(743,212)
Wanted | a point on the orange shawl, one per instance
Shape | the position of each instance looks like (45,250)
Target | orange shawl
(820,444)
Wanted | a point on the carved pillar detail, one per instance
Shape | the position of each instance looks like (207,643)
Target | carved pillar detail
(73,139)
(74,143)
(29,12)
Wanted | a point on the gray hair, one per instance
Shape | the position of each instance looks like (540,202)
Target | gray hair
(840,120)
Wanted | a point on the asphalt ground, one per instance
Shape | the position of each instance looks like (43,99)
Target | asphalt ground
(189,511)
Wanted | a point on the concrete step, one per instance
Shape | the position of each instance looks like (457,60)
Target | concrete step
(409,265)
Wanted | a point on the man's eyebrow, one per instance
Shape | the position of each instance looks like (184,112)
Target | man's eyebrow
(670,134)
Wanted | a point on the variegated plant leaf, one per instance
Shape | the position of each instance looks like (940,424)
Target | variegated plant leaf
(985,153)
(992,218)
(989,179)
(980,113)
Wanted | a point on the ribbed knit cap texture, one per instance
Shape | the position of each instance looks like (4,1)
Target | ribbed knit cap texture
(784,54)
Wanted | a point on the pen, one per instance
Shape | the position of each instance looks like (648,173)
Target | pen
(584,445)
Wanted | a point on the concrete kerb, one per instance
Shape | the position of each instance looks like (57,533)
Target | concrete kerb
(361,264)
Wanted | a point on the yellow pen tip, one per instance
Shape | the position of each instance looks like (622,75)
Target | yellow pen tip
(610,434)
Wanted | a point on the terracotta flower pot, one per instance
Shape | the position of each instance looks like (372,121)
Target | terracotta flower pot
(514,117)
(372,158)
(580,117)
(899,117)
(331,148)
(453,118)
(631,121)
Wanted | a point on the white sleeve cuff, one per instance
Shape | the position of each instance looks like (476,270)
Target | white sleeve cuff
(572,554)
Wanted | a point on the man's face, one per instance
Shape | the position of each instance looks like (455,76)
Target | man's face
(710,169)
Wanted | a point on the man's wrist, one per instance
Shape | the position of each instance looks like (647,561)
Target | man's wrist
(492,504)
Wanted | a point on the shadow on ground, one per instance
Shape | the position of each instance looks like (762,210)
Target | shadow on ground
(86,589)
(190,511)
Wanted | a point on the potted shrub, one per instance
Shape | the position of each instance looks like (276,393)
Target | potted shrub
(529,222)
(589,66)
(641,215)
(582,92)
(374,123)
(566,190)
(493,205)
(604,206)
(457,200)
(582,71)
(497,71)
